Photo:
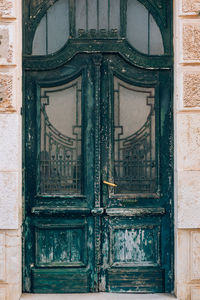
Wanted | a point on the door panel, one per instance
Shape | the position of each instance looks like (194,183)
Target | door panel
(59,227)
(136,233)
(61,141)
(134,138)
(61,252)
(98,119)
(134,262)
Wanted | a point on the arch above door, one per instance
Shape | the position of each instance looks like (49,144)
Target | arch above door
(113,27)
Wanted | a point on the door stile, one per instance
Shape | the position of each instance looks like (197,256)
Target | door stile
(107,126)
(106,152)
(98,210)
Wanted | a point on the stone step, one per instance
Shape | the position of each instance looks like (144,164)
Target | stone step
(97,296)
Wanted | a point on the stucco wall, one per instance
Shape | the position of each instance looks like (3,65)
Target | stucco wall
(187,148)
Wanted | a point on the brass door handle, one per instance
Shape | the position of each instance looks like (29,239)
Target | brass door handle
(110,184)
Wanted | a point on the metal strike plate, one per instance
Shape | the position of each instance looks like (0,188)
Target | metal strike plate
(97,211)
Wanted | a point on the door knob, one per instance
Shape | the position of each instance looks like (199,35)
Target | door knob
(110,184)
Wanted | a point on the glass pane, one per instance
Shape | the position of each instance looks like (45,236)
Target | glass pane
(134,138)
(137,25)
(92,14)
(53,29)
(103,16)
(58,25)
(114,22)
(156,44)
(39,41)
(60,149)
(142,31)
(80,14)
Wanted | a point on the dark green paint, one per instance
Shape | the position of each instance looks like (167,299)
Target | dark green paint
(90,41)
(72,243)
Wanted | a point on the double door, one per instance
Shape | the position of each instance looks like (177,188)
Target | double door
(98,172)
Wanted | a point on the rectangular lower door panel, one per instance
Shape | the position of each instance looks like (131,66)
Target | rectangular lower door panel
(60,281)
(61,244)
(149,280)
(63,256)
(133,247)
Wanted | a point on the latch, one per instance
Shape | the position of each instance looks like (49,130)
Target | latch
(97,211)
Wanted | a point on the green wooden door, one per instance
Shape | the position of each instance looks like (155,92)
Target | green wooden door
(136,156)
(98,167)
(93,121)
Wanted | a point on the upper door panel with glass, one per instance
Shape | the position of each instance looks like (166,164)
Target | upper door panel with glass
(134,139)
(61,140)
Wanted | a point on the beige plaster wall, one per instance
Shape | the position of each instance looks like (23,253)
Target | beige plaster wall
(187,147)
(10,149)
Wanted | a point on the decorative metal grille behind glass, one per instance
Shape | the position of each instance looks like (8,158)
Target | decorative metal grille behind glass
(60,149)
(97,18)
(134,138)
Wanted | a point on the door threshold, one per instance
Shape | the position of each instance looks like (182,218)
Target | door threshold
(97,296)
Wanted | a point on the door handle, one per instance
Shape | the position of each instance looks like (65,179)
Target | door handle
(110,184)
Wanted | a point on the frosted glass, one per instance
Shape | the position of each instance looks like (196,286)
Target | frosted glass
(156,43)
(39,41)
(80,14)
(53,29)
(58,25)
(103,14)
(142,31)
(92,14)
(134,138)
(137,25)
(114,14)
(60,143)
(98,15)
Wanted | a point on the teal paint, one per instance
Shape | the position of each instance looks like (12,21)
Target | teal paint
(97,240)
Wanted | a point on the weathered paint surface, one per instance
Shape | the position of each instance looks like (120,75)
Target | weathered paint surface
(98,240)
(114,243)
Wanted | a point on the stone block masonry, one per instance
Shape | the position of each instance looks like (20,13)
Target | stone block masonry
(187,148)
(187,145)
(10,149)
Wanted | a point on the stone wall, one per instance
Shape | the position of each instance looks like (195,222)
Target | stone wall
(10,149)
(187,148)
